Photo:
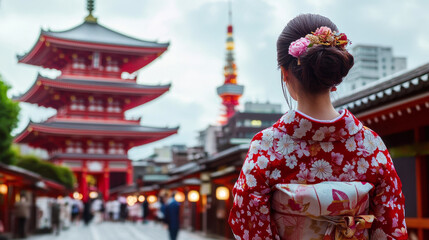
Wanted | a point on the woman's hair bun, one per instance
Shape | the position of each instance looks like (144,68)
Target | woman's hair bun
(323,67)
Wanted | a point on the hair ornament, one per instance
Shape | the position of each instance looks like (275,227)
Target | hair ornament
(322,36)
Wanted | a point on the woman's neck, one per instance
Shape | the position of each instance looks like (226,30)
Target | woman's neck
(317,106)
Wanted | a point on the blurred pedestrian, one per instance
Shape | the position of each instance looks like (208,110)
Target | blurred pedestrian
(109,210)
(145,208)
(55,217)
(172,217)
(87,215)
(97,208)
(160,209)
(123,210)
(22,214)
(116,207)
(134,212)
(75,210)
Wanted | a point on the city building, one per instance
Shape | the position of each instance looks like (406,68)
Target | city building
(153,169)
(89,133)
(163,162)
(242,126)
(397,108)
(371,63)
(207,139)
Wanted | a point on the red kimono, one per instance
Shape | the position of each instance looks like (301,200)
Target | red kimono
(301,150)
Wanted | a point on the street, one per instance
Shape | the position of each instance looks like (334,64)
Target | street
(118,231)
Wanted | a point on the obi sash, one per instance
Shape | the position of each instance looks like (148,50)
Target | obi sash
(327,210)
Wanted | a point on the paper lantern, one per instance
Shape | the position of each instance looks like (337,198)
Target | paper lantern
(222,193)
(152,199)
(3,189)
(193,196)
(179,197)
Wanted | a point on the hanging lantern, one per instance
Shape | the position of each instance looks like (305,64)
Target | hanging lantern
(193,196)
(3,189)
(141,198)
(93,194)
(76,195)
(222,193)
(179,197)
(152,199)
(131,200)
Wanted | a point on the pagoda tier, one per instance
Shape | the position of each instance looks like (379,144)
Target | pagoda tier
(91,49)
(90,137)
(75,95)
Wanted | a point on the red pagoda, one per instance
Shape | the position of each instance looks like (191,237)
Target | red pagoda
(89,133)
(230,91)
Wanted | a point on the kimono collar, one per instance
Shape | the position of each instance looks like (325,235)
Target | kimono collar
(301,126)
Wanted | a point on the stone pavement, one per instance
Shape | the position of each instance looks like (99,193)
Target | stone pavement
(119,231)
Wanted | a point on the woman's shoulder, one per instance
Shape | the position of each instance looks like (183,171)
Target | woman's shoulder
(371,140)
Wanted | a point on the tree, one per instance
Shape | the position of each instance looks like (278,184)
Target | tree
(9,111)
(60,174)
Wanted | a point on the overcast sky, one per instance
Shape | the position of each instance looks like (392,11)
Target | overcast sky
(194,62)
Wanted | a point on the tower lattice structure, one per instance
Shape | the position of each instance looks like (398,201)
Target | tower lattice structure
(230,91)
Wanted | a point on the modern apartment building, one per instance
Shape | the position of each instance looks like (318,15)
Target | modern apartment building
(371,64)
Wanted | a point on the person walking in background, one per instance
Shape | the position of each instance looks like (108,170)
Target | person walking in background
(22,214)
(172,217)
(87,216)
(75,210)
(109,210)
(55,217)
(145,208)
(116,208)
(97,208)
(159,209)
(123,210)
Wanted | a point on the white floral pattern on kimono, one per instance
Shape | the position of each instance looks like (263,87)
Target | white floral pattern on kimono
(301,150)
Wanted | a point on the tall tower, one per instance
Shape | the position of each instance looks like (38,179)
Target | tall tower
(230,91)
(89,133)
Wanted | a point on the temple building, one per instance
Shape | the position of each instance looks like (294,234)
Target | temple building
(89,133)
(230,91)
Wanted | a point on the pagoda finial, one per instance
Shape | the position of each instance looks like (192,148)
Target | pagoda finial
(90,7)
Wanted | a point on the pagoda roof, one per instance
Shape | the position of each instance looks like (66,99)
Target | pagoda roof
(91,37)
(96,33)
(43,88)
(37,133)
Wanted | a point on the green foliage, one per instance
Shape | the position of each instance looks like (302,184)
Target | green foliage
(9,111)
(60,174)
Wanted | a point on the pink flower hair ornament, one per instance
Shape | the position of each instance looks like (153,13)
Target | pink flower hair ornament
(322,36)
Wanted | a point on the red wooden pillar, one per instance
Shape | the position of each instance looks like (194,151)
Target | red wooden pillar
(197,215)
(419,179)
(227,227)
(5,208)
(130,173)
(106,180)
(83,184)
